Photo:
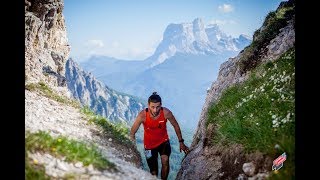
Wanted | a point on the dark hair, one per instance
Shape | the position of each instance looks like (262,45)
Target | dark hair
(154,98)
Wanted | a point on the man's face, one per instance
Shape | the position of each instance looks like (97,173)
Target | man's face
(154,108)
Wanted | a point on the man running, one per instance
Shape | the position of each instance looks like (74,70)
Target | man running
(156,138)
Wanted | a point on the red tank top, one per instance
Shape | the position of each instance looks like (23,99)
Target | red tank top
(155,131)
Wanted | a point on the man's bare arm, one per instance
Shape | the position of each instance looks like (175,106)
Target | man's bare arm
(175,124)
(139,119)
(173,121)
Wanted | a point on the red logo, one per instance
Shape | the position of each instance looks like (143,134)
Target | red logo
(278,163)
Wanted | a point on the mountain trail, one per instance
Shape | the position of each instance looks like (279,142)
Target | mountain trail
(44,114)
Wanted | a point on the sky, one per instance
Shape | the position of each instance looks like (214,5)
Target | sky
(132,29)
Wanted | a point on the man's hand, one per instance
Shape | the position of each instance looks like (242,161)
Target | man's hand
(133,138)
(184,148)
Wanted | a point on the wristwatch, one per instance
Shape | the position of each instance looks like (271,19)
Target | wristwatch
(182,140)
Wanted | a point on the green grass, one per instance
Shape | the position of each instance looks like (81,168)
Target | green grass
(34,170)
(72,150)
(260,113)
(119,131)
(49,93)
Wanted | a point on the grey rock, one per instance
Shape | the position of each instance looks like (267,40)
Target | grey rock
(249,168)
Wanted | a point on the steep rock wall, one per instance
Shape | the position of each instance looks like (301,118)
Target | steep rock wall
(205,162)
(46,43)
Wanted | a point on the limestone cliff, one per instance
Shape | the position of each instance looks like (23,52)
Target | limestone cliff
(105,101)
(49,108)
(209,161)
(46,43)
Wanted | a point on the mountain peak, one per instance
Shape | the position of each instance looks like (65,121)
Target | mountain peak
(198,22)
(244,36)
(193,38)
(215,26)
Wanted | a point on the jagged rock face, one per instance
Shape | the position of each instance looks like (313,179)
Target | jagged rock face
(284,41)
(46,44)
(103,100)
(204,162)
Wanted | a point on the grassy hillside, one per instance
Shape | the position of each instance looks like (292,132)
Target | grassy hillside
(72,150)
(260,113)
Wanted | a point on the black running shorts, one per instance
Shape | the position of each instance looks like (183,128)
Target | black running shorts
(162,149)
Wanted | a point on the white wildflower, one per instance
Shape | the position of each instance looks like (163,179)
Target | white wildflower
(272,77)
(288,115)
(284,120)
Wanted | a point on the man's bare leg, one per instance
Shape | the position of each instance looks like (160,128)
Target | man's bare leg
(165,167)
(155,173)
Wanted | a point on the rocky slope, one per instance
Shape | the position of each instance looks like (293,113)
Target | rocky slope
(46,97)
(58,119)
(116,106)
(206,162)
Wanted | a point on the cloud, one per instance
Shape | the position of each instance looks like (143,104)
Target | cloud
(119,49)
(140,53)
(132,52)
(222,22)
(124,53)
(225,8)
(115,44)
(94,43)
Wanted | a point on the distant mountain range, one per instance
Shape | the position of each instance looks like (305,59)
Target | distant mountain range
(183,66)
(103,100)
